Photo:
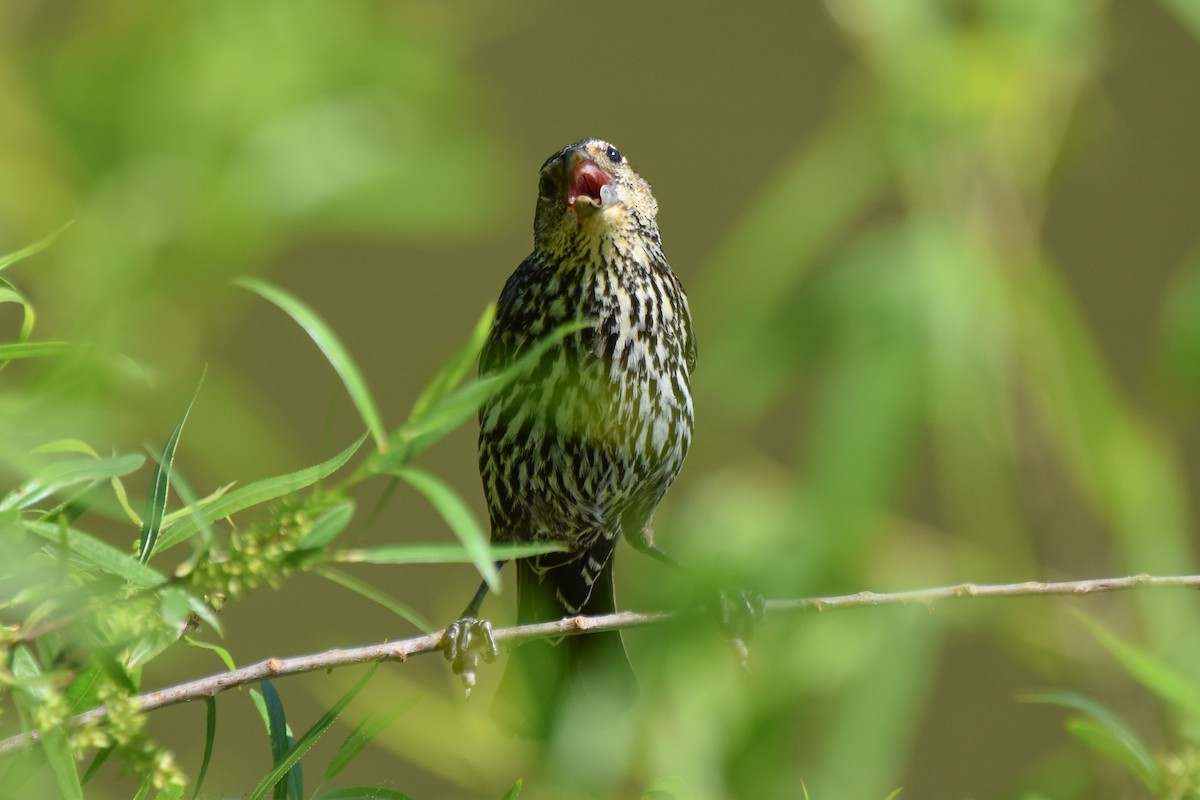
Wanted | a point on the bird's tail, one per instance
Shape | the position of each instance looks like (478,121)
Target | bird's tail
(588,673)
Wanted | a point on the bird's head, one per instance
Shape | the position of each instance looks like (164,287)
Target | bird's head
(588,189)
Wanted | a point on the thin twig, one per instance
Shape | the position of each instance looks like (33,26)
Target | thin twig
(401,650)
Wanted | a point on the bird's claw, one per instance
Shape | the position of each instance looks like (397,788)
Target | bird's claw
(463,643)
(740,612)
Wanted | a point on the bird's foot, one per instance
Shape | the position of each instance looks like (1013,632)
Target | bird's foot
(463,643)
(740,612)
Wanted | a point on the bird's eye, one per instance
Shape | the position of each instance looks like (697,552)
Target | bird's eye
(546,187)
(614,155)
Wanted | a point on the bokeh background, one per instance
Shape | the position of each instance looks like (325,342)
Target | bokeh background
(942,259)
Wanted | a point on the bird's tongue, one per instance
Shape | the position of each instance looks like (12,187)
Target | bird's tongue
(587,182)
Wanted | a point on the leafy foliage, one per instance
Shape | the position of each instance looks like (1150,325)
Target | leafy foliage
(908,376)
(121,612)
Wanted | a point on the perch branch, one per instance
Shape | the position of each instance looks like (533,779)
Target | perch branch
(401,650)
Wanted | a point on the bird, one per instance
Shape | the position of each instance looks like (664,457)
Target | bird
(579,449)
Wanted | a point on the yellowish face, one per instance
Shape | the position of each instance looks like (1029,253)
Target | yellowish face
(589,189)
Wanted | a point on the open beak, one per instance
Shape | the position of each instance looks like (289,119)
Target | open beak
(586,185)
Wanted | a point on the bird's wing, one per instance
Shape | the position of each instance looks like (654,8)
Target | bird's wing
(689,335)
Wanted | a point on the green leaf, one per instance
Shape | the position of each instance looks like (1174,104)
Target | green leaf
(160,484)
(96,553)
(259,492)
(10,352)
(440,553)
(9,294)
(449,413)
(277,729)
(97,762)
(460,519)
(207,539)
(1104,741)
(172,792)
(210,735)
(515,791)
(221,652)
(329,524)
(453,373)
(374,724)
(9,259)
(376,596)
(194,505)
(67,446)
(82,693)
(310,737)
(261,706)
(123,501)
(1156,676)
(365,793)
(1117,735)
(57,745)
(59,475)
(333,349)
(106,658)
(55,742)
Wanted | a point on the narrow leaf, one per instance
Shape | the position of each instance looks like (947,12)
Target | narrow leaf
(440,553)
(373,725)
(453,373)
(1108,744)
(58,752)
(376,596)
(329,524)
(259,492)
(160,484)
(1105,719)
(278,733)
(221,652)
(305,743)
(207,540)
(460,519)
(59,475)
(514,792)
(67,446)
(210,735)
(11,352)
(25,252)
(447,414)
(335,352)
(261,706)
(97,762)
(194,505)
(9,294)
(55,743)
(96,553)
(173,791)
(1152,673)
(123,501)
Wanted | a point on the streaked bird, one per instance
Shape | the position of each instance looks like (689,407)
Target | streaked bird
(580,449)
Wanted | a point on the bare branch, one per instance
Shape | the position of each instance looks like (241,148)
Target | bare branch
(570,626)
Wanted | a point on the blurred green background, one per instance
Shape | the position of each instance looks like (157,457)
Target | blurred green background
(944,264)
